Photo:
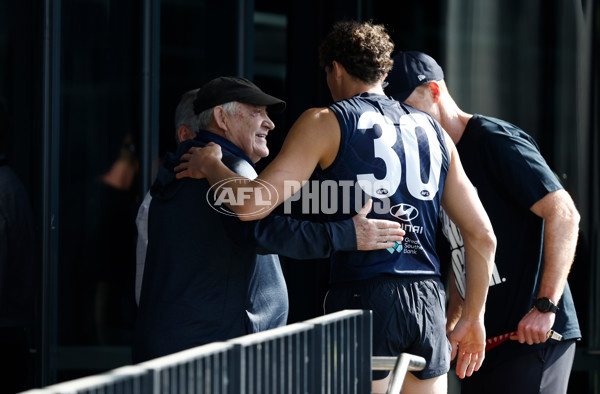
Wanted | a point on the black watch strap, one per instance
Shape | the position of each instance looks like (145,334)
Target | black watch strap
(545,304)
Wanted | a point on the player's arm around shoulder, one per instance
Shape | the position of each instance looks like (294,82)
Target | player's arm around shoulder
(312,141)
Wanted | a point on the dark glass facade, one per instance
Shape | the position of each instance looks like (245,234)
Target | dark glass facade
(90,88)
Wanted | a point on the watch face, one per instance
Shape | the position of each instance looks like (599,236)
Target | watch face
(543,304)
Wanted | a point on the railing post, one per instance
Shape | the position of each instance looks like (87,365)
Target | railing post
(366,341)
(400,366)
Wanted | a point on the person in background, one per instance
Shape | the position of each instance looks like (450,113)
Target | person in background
(207,276)
(18,274)
(536,223)
(104,269)
(371,146)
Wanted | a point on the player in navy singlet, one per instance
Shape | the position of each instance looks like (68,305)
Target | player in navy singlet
(397,155)
(366,144)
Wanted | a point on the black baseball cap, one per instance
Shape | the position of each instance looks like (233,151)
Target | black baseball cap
(223,90)
(411,69)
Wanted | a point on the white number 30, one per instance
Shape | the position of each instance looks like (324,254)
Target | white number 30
(383,149)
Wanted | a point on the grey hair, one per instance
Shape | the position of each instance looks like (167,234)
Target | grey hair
(205,117)
(184,113)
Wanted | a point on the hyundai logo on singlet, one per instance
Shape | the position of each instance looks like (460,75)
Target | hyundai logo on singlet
(404,212)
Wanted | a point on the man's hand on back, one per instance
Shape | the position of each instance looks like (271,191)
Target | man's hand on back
(374,234)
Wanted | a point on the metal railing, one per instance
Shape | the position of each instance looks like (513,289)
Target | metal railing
(204,369)
(399,366)
(327,355)
(125,380)
(342,348)
(275,361)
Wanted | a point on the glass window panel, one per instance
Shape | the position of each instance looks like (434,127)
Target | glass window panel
(100,116)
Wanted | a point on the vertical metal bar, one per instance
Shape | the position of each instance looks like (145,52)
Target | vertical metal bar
(356,354)
(51,168)
(348,355)
(366,343)
(293,359)
(241,22)
(405,362)
(398,374)
(319,364)
(351,355)
(150,91)
(245,41)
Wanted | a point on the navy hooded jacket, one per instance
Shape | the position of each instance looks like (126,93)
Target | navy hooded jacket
(205,278)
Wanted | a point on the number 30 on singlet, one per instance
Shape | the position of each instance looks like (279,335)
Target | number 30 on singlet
(414,129)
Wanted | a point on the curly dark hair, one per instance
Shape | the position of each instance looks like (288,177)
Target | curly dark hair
(364,49)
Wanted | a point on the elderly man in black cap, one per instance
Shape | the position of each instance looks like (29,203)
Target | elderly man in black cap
(536,223)
(204,277)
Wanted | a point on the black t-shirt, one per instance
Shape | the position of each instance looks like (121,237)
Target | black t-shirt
(510,175)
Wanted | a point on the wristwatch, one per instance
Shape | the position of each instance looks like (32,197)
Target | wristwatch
(545,304)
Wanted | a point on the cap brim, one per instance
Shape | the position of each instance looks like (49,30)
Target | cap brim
(273,104)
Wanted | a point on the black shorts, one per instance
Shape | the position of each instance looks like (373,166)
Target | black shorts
(408,317)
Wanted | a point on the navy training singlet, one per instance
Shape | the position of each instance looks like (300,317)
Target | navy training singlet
(397,155)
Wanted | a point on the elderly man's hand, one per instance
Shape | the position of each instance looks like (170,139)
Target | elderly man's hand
(374,234)
(194,163)
(468,342)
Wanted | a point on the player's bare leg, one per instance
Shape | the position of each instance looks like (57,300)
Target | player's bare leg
(413,385)
(380,386)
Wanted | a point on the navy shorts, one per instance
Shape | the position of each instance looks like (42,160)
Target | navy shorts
(408,317)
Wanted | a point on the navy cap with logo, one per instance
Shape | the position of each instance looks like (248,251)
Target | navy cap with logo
(411,69)
(223,90)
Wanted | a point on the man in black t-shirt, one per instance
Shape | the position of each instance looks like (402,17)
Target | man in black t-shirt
(536,224)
